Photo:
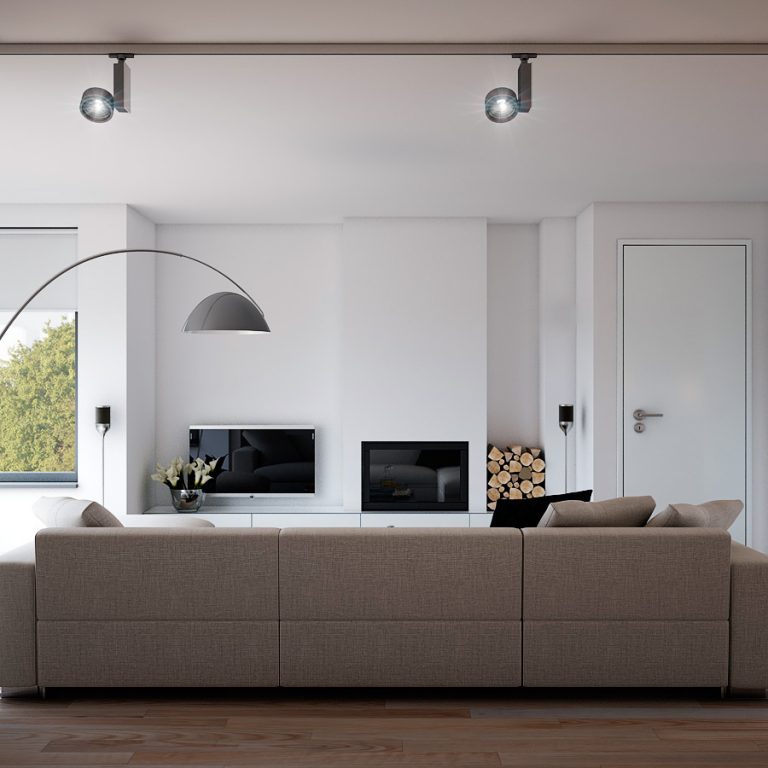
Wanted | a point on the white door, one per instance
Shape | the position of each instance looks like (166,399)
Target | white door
(685,356)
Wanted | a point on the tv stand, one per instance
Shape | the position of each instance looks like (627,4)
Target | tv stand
(252,516)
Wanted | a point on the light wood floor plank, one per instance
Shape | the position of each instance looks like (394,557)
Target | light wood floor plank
(383,729)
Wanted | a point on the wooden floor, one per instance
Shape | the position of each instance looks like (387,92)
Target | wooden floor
(379,729)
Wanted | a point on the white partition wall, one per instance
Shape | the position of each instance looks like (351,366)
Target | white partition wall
(115,301)
(290,376)
(414,339)
(557,345)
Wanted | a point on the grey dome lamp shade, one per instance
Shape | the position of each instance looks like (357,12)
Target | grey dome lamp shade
(226,312)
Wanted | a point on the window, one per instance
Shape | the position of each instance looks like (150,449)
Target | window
(38,397)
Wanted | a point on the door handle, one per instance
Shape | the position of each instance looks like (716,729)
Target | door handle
(640,414)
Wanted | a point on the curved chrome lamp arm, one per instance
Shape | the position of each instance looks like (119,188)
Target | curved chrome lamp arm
(121,250)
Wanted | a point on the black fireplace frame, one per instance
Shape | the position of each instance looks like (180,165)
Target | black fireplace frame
(415,506)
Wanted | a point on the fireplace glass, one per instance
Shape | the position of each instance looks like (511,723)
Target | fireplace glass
(418,476)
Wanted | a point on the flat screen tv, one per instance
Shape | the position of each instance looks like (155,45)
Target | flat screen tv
(258,460)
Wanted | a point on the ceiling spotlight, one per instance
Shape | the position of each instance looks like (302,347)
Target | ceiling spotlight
(502,104)
(98,104)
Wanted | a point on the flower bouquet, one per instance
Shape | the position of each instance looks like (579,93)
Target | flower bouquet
(187,481)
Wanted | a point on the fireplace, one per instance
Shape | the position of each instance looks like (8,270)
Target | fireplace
(416,476)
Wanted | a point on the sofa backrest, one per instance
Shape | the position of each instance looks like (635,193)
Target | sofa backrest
(630,574)
(133,574)
(400,574)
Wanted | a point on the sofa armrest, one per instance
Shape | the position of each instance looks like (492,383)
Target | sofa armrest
(749,619)
(18,641)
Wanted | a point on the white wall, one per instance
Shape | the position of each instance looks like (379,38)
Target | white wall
(105,302)
(414,340)
(513,335)
(140,362)
(583,428)
(557,345)
(598,289)
(291,376)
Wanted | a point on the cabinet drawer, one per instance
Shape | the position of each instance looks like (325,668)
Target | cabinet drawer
(307,520)
(414,520)
(226,520)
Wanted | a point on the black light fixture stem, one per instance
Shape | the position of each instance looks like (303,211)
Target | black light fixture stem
(103,436)
(121,80)
(122,250)
(565,435)
(524,91)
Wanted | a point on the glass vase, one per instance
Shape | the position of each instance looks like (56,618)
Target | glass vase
(188,500)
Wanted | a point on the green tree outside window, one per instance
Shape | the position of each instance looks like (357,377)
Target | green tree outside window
(38,400)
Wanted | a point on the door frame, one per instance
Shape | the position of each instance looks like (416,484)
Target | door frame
(747,245)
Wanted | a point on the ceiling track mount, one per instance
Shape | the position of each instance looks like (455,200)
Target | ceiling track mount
(387,49)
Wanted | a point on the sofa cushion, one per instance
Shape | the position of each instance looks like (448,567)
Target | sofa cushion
(400,574)
(626,512)
(527,513)
(60,511)
(96,516)
(205,574)
(713,514)
(66,512)
(625,574)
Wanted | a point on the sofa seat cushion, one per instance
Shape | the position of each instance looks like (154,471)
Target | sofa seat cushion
(158,653)
(400,653)
(628,511)
(619,654)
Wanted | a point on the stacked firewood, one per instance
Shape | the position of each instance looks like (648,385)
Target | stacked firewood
(515,473)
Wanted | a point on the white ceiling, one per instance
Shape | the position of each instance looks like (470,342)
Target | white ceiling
(299,139)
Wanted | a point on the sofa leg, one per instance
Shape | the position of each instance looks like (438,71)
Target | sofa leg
(746,693)
(18,693)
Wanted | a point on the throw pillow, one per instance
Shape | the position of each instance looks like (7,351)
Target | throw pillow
(625,512)
(526,513)
(60,511)
(96,516)
(713,514)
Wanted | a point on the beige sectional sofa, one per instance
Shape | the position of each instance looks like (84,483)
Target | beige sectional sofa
(384,607)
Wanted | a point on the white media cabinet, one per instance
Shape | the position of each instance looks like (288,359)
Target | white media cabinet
(333,517)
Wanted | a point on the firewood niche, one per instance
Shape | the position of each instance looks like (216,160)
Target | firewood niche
(515,472)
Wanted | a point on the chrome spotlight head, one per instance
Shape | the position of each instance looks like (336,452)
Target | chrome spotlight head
(501,105)
(97,105)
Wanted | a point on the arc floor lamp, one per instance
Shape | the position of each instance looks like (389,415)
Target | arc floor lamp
(223,312)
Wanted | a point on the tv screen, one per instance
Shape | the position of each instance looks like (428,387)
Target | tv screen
(257,460)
